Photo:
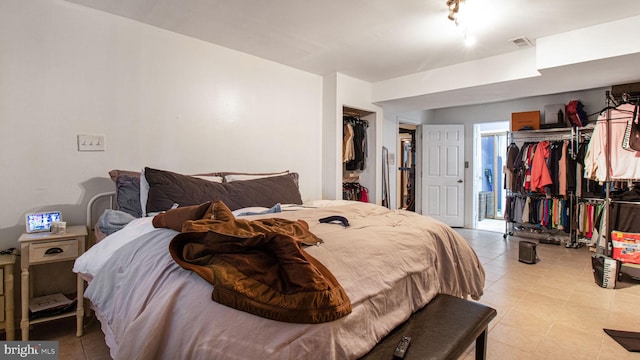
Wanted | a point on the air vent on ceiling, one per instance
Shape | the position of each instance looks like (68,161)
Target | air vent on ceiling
(522,42)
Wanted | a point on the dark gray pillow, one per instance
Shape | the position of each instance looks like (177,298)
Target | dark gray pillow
(167,188)
(128,195)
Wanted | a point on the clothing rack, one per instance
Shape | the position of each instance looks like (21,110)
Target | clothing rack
(549,135)
(549,230)
(559,134)
(354,120)
(611,103)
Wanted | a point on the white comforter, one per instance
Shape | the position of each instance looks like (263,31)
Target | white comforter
(390,263)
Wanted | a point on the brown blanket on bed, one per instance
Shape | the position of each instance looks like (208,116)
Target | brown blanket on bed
(258,266)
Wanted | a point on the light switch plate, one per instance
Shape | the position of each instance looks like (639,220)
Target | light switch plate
(91,142)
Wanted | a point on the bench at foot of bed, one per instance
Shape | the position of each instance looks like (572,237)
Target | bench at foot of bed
(443,329)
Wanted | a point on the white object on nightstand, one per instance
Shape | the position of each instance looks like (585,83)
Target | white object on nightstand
(6,295)
(44,248)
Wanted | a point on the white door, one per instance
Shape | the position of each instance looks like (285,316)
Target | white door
(443,173)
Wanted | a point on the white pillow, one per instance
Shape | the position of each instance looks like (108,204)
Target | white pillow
(144,193)
(216,179)
(239,177)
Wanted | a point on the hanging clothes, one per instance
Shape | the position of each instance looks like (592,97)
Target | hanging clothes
(540,176)
(623,164)
(510,169)
(348,152)
(355,192)
(562,169)
(359,144)
(548,170)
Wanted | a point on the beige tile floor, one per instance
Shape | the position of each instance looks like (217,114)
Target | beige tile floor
(496,225)
(550,310)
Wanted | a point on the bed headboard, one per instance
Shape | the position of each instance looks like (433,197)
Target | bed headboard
(95,207)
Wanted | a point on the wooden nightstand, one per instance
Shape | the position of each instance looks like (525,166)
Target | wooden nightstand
(6,295)
(44,248)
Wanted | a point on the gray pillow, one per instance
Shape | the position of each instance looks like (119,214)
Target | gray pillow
(128,195)
(167,188)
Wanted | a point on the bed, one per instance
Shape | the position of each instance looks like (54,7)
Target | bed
(390,263)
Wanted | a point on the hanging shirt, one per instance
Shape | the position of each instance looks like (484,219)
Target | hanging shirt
(539,171)
(364,195)
(530,153)
(562,170)
(623,164)
(510,166)
(525,210)
(347,143)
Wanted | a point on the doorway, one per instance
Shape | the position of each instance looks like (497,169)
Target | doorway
(406,189)
(489,152)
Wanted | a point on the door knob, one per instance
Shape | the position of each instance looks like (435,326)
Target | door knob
(459,180)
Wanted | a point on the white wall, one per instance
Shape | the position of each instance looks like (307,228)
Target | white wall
(162,100)
(593,99)
(339,91)
(608,40)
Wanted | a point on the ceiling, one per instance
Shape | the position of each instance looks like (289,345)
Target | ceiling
(372,40)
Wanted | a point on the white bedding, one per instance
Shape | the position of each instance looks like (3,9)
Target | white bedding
(390,263)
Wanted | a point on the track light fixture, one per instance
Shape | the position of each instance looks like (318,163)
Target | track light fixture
(454,7)
(461,23)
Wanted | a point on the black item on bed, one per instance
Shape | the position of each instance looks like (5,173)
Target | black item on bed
(340,219)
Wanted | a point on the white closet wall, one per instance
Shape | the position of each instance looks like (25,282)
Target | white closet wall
(340,92)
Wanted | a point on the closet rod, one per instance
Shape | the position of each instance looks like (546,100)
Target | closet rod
(537,196)
(545,134)
(592,199)
(546,138)
(540,132)
(624,202)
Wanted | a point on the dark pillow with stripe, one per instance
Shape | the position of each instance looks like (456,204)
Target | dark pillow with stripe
(166,189)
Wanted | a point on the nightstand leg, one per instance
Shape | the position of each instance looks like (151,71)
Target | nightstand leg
(80,306)
(24,322)
(10,310)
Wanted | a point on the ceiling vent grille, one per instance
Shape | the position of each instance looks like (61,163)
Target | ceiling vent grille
(522,42)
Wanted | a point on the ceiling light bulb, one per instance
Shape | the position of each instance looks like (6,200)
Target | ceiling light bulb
(469,40)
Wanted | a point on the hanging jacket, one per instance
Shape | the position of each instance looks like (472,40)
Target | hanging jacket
(540,176)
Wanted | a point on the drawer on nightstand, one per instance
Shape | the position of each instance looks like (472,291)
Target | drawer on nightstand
(58,251)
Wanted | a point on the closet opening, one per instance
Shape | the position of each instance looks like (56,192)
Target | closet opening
(406,174)
(489,193)
(358,154)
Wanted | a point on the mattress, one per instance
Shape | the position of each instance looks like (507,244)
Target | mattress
(390,263)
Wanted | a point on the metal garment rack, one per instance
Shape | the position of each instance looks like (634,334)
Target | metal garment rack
(610,103)
(572,134)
